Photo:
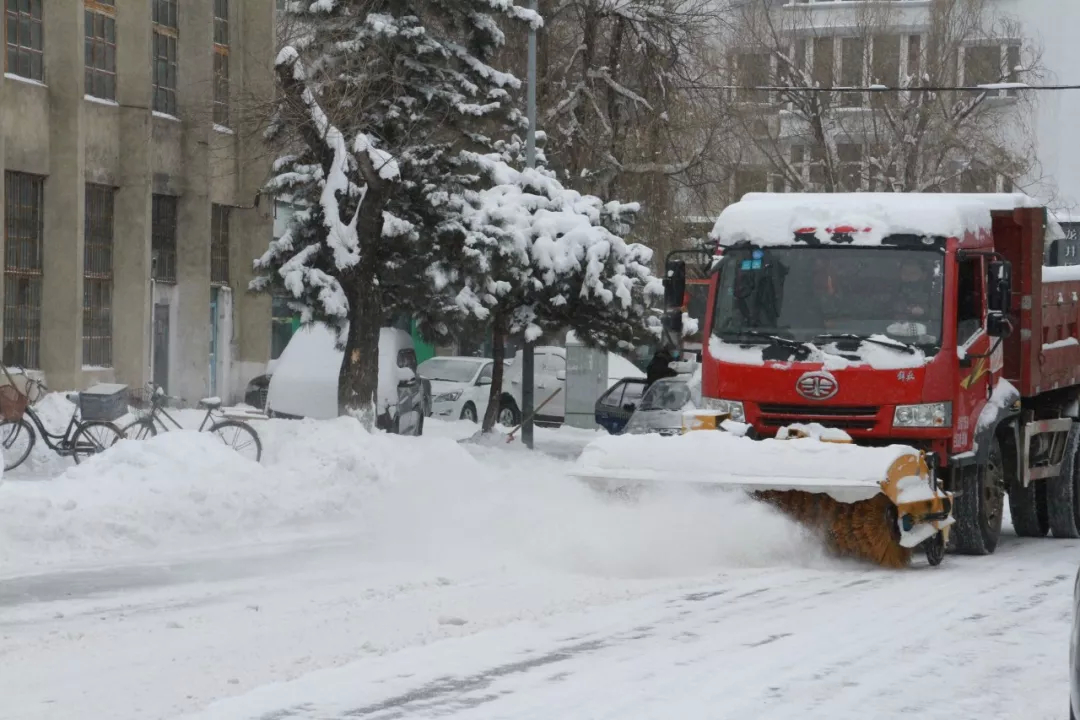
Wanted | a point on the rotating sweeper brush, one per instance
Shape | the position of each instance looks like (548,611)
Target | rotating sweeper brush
(873,503)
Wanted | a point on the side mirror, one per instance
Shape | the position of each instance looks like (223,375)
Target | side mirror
(560,375)
(674,284)
(483,381)
(999,287)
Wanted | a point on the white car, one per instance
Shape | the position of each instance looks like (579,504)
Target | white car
(460,386)
(305,379)
(549,373)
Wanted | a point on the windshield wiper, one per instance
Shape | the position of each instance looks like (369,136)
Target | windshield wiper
(886,342)
(776,339)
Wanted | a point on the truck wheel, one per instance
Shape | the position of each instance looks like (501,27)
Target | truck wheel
(979,505)
(1027,505)
(1063,492)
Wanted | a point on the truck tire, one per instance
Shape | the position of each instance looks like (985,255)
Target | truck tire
(1063,492)
(1027,505)
(979,505)
(1029,508)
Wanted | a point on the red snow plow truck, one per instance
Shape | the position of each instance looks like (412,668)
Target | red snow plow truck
(885,368)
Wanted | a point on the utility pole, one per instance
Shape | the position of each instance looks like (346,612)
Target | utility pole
(527,367)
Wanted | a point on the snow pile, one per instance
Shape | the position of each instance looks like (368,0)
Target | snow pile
(848,473)
(1064,342)
(428,500)
(871,354)
(814,431)
(1061,273)
(767,219)
(772,219)
(1003,396)
(178,485)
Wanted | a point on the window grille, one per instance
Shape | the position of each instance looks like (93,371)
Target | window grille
(101,49)
(219,245)
(24,199)
(163,238)
(166,35)
(98,277)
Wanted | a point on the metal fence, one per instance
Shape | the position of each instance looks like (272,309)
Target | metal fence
(98,276)
(24,199)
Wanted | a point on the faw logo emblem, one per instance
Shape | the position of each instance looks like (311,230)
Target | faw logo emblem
(817,386)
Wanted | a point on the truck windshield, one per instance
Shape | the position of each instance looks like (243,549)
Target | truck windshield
(830,294)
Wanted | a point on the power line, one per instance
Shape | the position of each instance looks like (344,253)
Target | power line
(991,87)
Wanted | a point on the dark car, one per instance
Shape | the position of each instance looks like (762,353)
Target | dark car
(1074,655)
(614,408)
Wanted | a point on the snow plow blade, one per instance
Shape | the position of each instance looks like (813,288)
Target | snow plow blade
(874,503)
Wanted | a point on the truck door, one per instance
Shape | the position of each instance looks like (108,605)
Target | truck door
(975,372)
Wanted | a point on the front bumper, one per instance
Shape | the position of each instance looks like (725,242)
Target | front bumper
(860,422)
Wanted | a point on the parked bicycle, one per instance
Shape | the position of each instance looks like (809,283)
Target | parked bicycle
(149,407)
(81,439)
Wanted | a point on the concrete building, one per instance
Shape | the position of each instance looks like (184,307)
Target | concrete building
(130,182)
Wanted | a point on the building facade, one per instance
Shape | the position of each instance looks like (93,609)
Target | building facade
(130,176)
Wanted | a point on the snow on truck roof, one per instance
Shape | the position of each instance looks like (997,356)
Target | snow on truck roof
(773,218)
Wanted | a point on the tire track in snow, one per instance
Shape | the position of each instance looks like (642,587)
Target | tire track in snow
(979,637)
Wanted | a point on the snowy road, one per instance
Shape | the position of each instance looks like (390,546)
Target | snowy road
(979,637)
(510,596)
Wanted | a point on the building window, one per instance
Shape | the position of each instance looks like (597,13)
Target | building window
(752,71)
(749,179)
(24,200)
(166,34)
(850,157)
(25,39)
(976,178)
(885,68)
(98,277)
(163,238)
(219,245)
(101,49)
(852,61)
(221,62)
(991,64)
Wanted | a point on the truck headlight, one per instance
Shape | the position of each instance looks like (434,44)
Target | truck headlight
(448,396)
(734,408)
(927,415)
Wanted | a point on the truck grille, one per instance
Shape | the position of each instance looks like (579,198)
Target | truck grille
(860,417)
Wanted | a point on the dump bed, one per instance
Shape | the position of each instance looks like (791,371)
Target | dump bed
(1043,352)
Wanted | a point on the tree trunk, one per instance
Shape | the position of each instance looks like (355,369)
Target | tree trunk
(498,354)
(358,378)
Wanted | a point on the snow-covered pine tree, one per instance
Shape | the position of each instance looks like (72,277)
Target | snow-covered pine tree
(379,103)
(540,257)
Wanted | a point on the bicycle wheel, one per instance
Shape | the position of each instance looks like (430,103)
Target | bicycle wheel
(139,430)
(94,437)
(240,436)
(17,439)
